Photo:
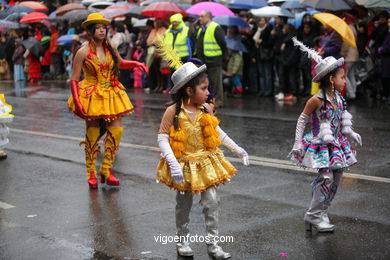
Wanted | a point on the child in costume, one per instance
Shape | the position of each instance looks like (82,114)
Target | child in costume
(191,161)
(5,117)
(326,148)
(100,98)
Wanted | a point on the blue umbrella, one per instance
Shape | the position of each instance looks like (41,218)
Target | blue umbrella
(15,9)
(235,45)
(4,3)
(66,39)
(228,20)
(247,4)
(10,24)
(293,4)
(297,21)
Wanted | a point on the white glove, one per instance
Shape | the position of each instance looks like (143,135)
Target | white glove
(300,129)
(356,138)
(229,143)
(174,166)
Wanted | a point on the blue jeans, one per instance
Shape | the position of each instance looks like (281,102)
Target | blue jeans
(264,70)
(18,72)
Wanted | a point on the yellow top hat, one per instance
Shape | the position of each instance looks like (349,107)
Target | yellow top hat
(95,18)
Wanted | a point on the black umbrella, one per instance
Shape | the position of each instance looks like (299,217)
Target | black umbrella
(33,46)
(76,16)
(15,9)
(136,12)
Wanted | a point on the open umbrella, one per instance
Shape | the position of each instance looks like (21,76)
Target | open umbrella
(337,24)
(68,7)
(374,3)
(15,9)
(33,46)
(333,5)
(235,45)
(149,2)
(33,17)
(11,25)
(76,16)
(15,17)
(89,2)
(135,12)
(121,5)
(163,10)
(271,11)
(3,3)
(293,4)
(215,9)
(228,20)
(66,39)
(98,6)
(141,22)
(36,6)
(112,13)
(247,4)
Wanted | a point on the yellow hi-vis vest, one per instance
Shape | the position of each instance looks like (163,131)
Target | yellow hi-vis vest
(181,45)
(210,45)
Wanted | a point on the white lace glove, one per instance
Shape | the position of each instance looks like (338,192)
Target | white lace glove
(300,129)
(356,138)
(347,128)
(229,143)
(174,166)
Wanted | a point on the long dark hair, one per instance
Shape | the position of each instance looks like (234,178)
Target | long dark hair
(182,94)
(91,31)
(324,84)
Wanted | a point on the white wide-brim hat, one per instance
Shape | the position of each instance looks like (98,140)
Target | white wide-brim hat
(184,74)
(325,66)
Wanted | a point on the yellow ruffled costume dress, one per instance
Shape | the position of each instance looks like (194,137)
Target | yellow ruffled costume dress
(202,167)
(100,93)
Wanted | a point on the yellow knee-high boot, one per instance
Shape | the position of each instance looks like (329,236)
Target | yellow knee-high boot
(91,151)
(111,143)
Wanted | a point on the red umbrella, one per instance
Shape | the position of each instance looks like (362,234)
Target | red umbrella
(163,10)
(33,17)
(69,7)
(35,5)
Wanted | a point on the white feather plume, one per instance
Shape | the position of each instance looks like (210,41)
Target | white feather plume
(310,52)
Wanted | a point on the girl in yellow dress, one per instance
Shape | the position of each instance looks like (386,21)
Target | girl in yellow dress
(100,96)
(189,137)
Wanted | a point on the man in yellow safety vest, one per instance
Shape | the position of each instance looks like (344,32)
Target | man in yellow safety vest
(179,37)
(210,47)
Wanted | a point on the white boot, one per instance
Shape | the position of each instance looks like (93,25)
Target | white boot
(184,249)
(216,251)
(321,226)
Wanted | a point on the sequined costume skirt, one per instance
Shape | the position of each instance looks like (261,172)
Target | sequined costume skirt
(199,173)
(316,154)
(107,103)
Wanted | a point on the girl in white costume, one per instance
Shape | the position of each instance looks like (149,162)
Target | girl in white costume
(326,148)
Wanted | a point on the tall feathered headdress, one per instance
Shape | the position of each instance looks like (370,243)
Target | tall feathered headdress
(312,54)
(167,53)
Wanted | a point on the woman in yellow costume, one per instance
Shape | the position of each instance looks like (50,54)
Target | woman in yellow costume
(100,96)
(5,117)
(189,137)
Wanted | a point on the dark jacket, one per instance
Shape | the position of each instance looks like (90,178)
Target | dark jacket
(384,52)
(290,54)
(265,51)
(220,38)
(307,40)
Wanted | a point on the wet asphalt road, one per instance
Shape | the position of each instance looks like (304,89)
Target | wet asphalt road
(56,216)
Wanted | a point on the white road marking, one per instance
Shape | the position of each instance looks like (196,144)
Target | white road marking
(254,160)
(4,205)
